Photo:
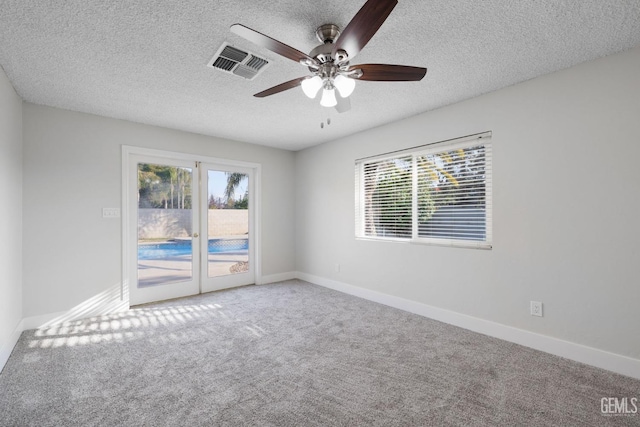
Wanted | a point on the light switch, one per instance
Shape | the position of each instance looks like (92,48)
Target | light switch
(110,212)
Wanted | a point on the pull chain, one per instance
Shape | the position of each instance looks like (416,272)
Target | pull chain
(322,121)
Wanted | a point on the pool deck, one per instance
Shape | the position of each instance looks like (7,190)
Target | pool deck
(179,268)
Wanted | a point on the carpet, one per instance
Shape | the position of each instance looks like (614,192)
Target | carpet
(292,354)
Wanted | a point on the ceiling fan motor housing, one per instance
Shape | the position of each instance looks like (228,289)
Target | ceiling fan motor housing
(327,33)
(322,53)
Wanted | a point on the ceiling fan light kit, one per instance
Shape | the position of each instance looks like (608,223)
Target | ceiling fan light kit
(329,62)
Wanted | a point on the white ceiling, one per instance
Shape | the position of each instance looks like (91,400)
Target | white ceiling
(145,60)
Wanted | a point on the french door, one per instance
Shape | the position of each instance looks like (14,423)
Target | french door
(190,227)
(228,226)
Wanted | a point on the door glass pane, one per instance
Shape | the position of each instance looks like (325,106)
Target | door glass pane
(227,223)
(165,226)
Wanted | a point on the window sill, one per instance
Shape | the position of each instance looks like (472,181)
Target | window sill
(465,244)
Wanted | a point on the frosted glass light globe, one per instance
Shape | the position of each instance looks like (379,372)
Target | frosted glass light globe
(329,98)
(345,85)
(311,86)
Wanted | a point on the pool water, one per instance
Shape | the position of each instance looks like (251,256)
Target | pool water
(172,249)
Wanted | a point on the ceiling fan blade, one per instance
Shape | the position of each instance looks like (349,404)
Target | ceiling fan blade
(281,87)
(343,105)
(389,73)
(363,26)
(271,44)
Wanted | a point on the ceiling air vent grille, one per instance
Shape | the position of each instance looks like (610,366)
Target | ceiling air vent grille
(244,71)
(233,53)
(235,61)
(224,64)
(256,63)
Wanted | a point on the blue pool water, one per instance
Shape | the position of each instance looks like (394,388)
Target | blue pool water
(172,249)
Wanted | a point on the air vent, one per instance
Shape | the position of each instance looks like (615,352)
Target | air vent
(224,64)
(244,71)
(256,63)
(233,54)
(232,60)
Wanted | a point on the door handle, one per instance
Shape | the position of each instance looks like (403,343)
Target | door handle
(195,234)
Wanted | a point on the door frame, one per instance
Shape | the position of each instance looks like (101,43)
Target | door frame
(255,199)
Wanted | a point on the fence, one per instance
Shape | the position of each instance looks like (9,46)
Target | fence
(162,223)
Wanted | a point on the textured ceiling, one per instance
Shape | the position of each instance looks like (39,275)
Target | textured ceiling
(145,60)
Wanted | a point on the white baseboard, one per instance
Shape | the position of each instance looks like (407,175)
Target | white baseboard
(280,277)
(35,322)
(7,348)
(51,319)
(580,353)
(106,302)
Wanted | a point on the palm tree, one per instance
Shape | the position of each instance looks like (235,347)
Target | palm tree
(173,176)
(233,182)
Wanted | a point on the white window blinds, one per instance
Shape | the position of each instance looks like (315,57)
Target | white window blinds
(440,193)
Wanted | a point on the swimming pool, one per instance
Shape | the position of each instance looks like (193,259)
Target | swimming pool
(183,247)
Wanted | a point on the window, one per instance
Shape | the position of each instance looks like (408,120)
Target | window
(438,193)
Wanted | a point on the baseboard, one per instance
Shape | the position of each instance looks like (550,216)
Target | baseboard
(7,348)
(580,353)
(280,277)
(108,301)
(35,322)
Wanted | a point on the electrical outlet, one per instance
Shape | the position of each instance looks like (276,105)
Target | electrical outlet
(536,308)
(110,212)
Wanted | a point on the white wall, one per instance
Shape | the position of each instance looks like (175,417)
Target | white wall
(10,216)
(566,205)
(72,170)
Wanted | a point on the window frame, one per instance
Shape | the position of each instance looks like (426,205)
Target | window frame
(482,139)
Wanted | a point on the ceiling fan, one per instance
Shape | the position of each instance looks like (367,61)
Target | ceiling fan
(329,63)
